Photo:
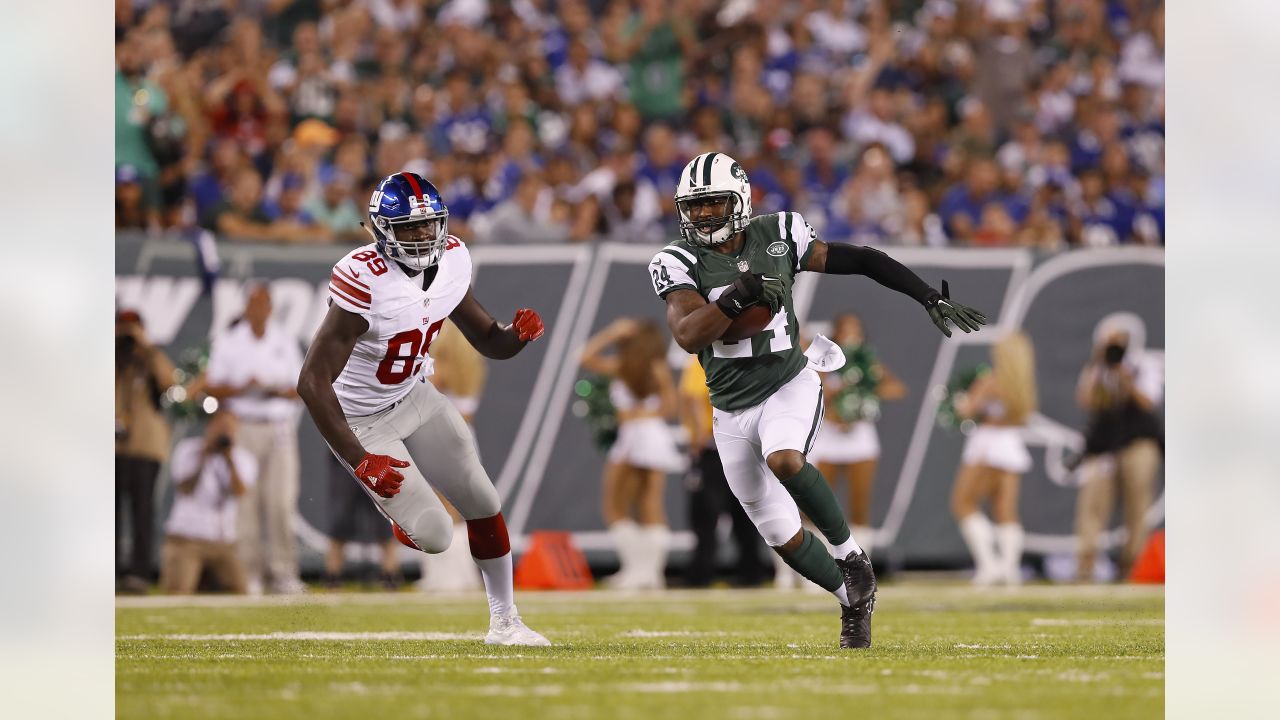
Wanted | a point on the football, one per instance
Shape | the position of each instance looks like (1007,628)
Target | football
(751,321)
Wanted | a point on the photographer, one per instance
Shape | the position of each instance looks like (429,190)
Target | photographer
(212,473)
(143,372)
(1121,388)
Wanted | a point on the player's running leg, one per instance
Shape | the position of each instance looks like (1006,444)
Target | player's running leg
(788,425)
(415,511)
(455,470)
(775,515)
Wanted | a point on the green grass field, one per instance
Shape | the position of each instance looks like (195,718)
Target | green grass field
(941,651)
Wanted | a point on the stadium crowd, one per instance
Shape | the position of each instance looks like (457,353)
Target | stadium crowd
(1034,123)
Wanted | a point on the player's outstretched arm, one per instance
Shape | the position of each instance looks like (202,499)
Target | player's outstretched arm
(694,322)
(495,341)
(328,354)
(860,260)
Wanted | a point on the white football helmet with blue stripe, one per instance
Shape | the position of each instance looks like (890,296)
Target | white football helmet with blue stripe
(713,178)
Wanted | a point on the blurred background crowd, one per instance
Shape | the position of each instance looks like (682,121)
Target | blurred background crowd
(1031,123)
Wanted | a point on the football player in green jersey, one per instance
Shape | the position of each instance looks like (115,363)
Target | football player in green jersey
(767,397)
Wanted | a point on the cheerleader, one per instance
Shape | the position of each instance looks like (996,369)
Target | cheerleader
(643,394)
(994,459)
(848,445)
(459,373)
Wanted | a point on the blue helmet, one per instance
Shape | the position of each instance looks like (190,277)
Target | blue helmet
(410,220)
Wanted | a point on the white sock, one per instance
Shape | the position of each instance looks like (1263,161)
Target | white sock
(843,549)
(625,534)
(655,541)
(1009,543)
(868,537)
(842,594)
(498,584)
(978,535)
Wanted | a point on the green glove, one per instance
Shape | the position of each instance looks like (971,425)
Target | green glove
(774,293)
(941,309)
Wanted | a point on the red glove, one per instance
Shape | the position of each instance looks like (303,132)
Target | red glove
(378,473)
(527,324)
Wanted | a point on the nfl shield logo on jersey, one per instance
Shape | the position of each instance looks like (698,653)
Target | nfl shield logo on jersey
(743,266)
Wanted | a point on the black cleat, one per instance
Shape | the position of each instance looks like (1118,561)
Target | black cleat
(860,583)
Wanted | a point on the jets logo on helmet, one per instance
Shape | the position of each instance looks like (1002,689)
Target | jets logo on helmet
(410,220)
(713,199)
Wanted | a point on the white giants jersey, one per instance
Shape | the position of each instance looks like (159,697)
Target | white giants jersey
(403,320)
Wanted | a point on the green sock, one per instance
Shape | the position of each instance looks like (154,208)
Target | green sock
(814,562)
(814,498)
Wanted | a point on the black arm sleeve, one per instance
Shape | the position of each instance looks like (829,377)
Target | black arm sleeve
(859,260)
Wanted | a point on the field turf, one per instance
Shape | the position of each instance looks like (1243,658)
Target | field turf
(941,651)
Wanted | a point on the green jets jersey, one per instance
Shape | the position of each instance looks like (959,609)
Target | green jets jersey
(746,372)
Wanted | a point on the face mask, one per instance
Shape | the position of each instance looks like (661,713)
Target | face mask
(1113,354)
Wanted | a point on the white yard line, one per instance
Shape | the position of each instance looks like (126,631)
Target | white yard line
(307,635)
(931,592)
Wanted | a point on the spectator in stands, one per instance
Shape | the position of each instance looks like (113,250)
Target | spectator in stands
(211,185)
(335,209)
(212,474)
(654,42)
(139,104)
(995,227)
(870,207)
(131,212)
(1148,223)
(961,207)
(290,217)
(241,216)
(877,123)
(582,77)
(143,373)
(662,164)
(253,371)
(1005,64)
(1043,227)
(526,217)
(1098,219)
(1121,388)
(824,173)
(627,218)
(975,136)
(939,88)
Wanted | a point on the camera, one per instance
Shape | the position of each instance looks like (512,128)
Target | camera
(1113,354)
(220,443)
(125,345)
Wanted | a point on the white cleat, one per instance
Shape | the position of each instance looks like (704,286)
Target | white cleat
(511,630)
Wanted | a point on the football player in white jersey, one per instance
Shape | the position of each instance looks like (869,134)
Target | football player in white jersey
(364,382)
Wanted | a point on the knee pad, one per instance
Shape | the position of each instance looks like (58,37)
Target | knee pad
(778,531)
(775,516)
(431,531)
